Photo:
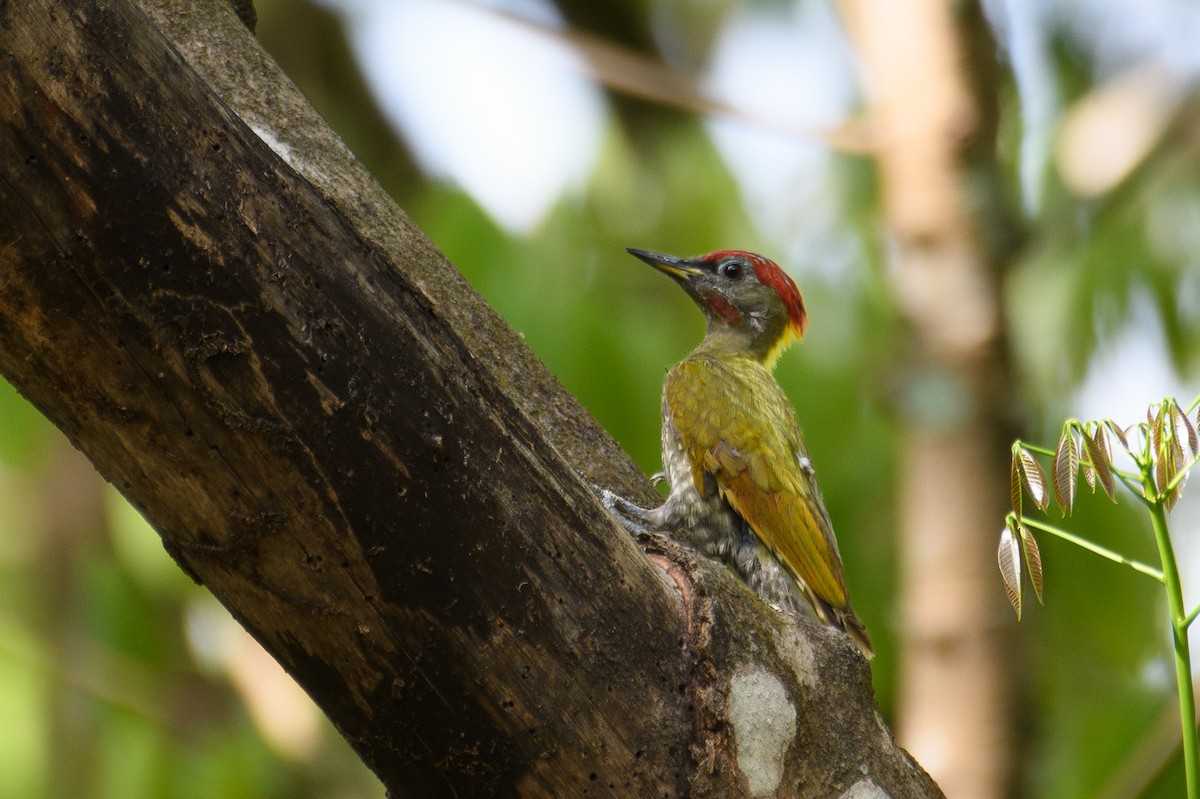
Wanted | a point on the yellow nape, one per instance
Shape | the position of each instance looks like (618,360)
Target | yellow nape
(786,339)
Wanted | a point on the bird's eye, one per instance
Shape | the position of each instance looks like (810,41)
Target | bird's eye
(733,270)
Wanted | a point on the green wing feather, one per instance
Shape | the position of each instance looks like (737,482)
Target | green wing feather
(760,466)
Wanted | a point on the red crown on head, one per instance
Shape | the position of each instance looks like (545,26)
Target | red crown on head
(770,274)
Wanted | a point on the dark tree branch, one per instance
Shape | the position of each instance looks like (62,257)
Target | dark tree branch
(353,453)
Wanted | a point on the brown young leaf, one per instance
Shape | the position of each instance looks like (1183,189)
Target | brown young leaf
(1035,478)
(1173,497)
(1014,483)
(1097,452)
(1175,462)
(1033,559)
(1121,435)
(1089,472)
(1066,470)
(1158,449)
(1184,421)
(1168,451)
(1174,435)
(1100,438)
(1009,557)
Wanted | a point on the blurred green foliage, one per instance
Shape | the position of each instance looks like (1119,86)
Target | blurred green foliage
(104,693)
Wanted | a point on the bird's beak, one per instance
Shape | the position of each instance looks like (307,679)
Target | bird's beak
(679,268)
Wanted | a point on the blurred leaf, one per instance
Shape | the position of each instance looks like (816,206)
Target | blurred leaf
(1009,557)
(1066,469)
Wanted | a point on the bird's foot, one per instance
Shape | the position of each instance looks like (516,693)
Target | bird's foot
(633,518)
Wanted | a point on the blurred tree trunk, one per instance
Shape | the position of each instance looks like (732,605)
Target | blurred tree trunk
(929,74)
(338,438)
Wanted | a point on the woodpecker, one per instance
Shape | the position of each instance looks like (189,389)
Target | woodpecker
(741,485)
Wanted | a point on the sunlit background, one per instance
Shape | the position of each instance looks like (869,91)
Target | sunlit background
(496,127)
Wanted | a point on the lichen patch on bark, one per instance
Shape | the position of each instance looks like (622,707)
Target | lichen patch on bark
(865,789)
(803,660)
(764,726)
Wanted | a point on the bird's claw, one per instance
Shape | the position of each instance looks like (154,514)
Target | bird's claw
(630,516)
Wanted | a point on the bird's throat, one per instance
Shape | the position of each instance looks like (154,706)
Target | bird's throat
(724,341)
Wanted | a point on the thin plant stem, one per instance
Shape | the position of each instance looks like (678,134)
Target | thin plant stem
(1049,453)
(1104,552)
(1131,483)
(1179,633)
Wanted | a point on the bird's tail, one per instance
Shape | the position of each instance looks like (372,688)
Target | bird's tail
(845,620)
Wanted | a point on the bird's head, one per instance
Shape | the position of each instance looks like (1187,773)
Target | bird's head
(752,306)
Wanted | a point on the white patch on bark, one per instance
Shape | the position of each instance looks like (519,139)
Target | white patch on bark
(764,725)
(271,137)
(865,789)
(803,660)
(268,136)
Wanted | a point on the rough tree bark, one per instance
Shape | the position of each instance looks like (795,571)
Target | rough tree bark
(930,76)
(341,441)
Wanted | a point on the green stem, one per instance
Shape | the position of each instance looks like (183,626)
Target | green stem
(1179,630)
(1040,450)
(1130,482)
(1104,552)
